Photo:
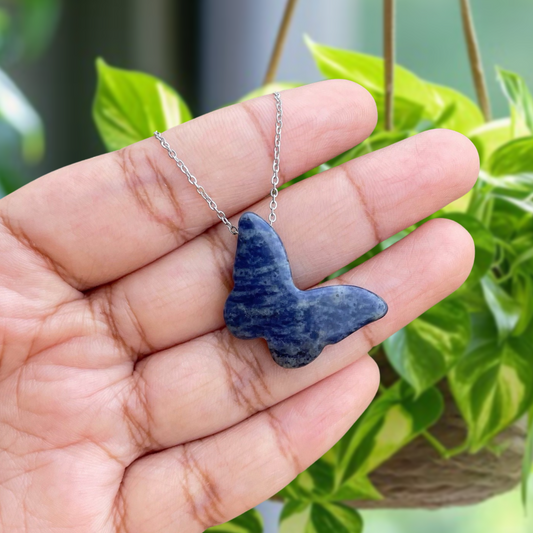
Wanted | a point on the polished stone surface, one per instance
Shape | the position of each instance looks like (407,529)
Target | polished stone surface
(296,324)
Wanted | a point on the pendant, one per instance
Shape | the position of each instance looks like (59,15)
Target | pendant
(296,324)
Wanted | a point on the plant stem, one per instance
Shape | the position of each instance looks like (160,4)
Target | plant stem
(280,42)
(389,34)
(474,55)
(444,452)
(441,449)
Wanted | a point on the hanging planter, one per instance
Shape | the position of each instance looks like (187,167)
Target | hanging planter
(418,476)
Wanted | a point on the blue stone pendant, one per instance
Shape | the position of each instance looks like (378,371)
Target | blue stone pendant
(296,324)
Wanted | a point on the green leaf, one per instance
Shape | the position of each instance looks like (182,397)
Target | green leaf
(490,136)
(493,382)
(249,522)
(504,308)
(318,484)
(414,98)
(508,207)
(459,206)
(366,70)
(485,246)
(523,205)
(515,89)
(527,464)
(356,488)
(295,517)
(312,484)
(407,114)
(410,93)
(520,183)
(522,291)
(291,508)
(320,518)
(514,157)
(18,113)
(129,106)
(335,518)
(462,114)
(425,350)
(270,88)
(394,419)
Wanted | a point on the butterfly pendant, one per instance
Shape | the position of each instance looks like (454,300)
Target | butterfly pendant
(296,324)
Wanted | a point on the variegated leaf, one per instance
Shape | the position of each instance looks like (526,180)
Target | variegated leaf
(391,422)
(426,349)
(493,382)
(129,106)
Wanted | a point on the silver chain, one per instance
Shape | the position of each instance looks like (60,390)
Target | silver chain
(193,181)
(202,192)
(275,164)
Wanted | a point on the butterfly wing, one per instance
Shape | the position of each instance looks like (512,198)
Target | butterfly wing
(322,316)
(296,324)
(262,277)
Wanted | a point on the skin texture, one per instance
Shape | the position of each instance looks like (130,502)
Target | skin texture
(125,405)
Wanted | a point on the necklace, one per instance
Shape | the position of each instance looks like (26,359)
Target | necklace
(264,302)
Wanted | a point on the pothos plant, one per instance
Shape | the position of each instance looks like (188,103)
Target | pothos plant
(480,339)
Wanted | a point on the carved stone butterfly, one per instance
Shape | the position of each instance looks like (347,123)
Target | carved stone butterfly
(296,324)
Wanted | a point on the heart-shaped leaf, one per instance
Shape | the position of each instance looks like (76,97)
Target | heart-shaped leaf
(425,350)
(410,96)
(414,98)
(493,382)
(393,420)
(129,106)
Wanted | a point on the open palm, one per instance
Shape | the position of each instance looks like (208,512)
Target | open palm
(125,405)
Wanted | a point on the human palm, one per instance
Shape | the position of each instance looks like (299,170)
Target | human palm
(125,405)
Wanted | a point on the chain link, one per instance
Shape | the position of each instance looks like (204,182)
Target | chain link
(193,181)
(275,165)
(202,192)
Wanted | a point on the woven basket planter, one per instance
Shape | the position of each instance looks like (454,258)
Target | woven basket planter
(418,477)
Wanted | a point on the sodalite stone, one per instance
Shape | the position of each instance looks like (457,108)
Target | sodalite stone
(296,324)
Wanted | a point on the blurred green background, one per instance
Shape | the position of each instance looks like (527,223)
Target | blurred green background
(213,52)
(503,514)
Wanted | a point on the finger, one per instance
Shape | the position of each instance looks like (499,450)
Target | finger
(325,222)
(204,483)
(222,380)
(102,218)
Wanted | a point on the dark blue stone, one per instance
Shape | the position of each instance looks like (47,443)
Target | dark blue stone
(296,324)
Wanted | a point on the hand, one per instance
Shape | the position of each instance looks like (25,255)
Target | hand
(125,405)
